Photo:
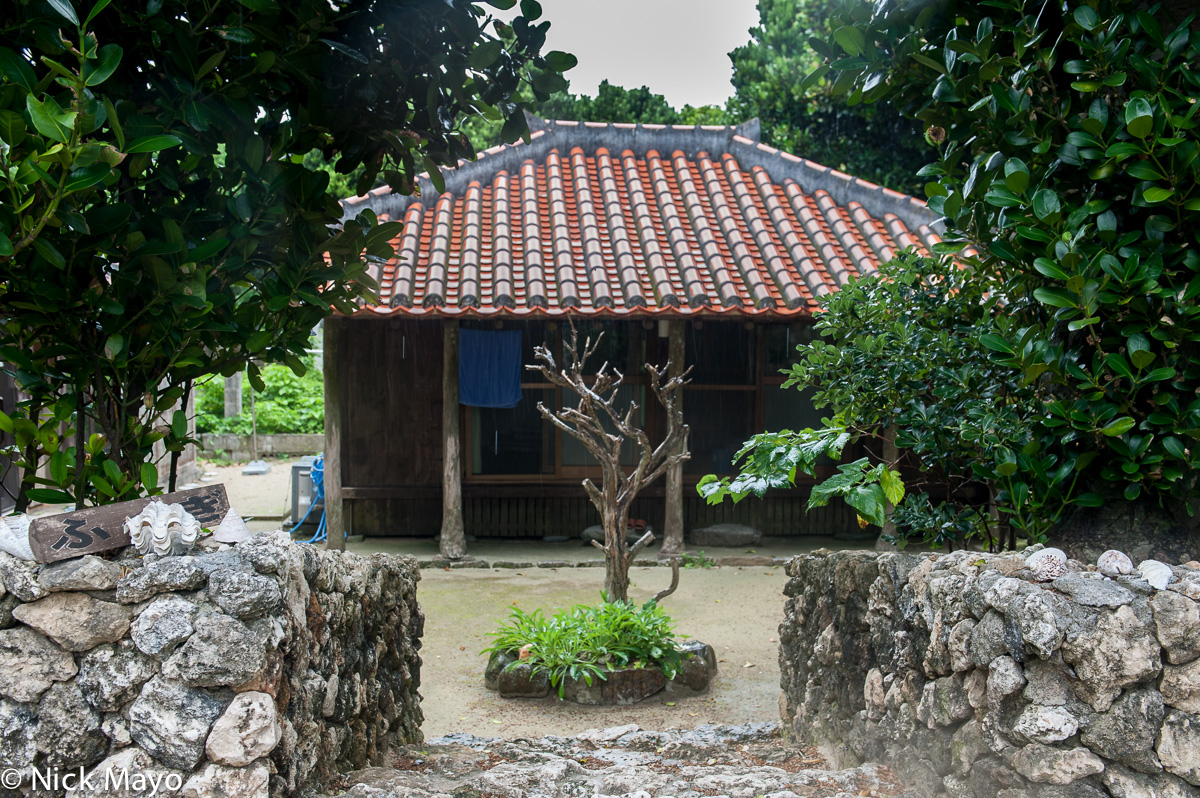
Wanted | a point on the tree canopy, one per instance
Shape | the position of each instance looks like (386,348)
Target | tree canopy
(805,116)
(160,219)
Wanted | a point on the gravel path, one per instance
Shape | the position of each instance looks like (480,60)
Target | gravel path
(736,610)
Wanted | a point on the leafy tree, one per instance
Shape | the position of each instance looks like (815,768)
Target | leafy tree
(287,404)
(807,117)
(903,365)
(160,221)
(1067,174)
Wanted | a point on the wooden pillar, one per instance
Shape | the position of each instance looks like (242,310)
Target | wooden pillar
(334,520)
(454,544)
(673,527)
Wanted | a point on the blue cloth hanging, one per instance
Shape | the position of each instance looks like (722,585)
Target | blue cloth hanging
(489,368)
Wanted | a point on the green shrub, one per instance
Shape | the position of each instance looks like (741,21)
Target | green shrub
(290,404)
(586,642)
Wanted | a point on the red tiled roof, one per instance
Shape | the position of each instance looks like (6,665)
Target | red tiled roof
(594,219)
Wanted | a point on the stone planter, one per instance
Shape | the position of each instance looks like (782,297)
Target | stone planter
(621,687)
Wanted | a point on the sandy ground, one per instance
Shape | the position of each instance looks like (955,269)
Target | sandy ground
(736,610)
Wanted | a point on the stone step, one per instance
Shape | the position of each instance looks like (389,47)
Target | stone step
(748,761)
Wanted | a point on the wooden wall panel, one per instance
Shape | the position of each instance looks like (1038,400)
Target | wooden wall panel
(392,378)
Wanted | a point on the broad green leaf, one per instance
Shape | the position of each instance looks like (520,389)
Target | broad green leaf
(236,35)
(1086,17)
(1175,447)
(893,486)
(1056,297)
(1160,374)
(96,9)
(100,70)
(560,61)
(486,54)
(1016,175)
(153,143)
(1050,269)
(1045,203)
(114,346)
(850,39)
(1120,365)
(1157,194)
(65,10)
(17,70)
(1118,426)
(48,496)
(258,341)
(49,119)
(149,476)
(6,245)
(1139,117)
(49,252)
(996,343)
(89,176)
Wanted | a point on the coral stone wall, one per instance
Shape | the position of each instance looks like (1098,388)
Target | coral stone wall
(974,681)
(252,670)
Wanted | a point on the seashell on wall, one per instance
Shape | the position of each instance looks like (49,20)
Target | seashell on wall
(1114,563)
(1158,574)
(163,529)
(14,536)
(232,529)
(1047,564)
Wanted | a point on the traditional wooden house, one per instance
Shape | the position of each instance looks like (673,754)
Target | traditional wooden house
(695,242)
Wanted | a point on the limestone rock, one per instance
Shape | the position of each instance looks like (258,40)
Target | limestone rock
(1035,617)
(171,721)
(1124,783)
(30,664)
(244,595)
(1128,730)
(246,731)
(1005,677)
(111,676)
(959,645)
(1179,746)
(1046,765)
(987,639)
(222,651)
(165,623)
(497,662)
(1039,724)
(217,781)
(130,773)
(725,535)
(75,621)
(267,551)
(68,730)
(1180,686)
(1177,620)
(82,573)
(163,575)
(20,578)
(18,746)
(1093,592)
(1119,651)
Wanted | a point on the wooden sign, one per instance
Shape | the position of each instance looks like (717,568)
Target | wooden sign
(93,529)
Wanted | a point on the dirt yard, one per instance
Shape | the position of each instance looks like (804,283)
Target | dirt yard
(736,610)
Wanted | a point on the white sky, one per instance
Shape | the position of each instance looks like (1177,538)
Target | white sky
(676,47)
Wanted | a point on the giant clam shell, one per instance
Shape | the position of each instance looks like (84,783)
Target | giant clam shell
(14,536)
(162,529)
(1114,563)
(1158,574)
(1047,564)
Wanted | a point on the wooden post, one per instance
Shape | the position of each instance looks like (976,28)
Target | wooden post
(334,520)
(673,526)
(454,544)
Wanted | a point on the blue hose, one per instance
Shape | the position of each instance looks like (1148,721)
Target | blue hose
(317,473)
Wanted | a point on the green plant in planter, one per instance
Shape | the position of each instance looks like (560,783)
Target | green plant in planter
(588,642)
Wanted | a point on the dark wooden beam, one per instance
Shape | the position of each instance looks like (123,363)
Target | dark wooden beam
(454,543)
(335,527)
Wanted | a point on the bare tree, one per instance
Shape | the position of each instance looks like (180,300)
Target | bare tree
(603,429)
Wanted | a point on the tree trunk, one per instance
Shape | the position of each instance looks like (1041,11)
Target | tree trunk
(335,530)
(890,455)
(453,544)
(673,527)
(616,557)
